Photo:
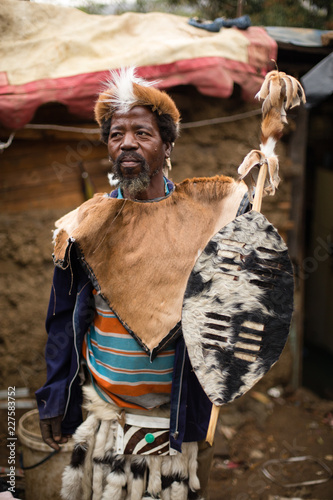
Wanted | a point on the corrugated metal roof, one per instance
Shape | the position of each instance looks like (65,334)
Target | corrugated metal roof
(304,37)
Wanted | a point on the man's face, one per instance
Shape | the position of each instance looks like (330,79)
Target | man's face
(136,148)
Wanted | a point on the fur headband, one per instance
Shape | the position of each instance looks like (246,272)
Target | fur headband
(124,90)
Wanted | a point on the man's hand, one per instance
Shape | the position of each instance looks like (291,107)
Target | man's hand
(51,432)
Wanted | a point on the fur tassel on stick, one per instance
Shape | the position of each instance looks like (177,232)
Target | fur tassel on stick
(279,92)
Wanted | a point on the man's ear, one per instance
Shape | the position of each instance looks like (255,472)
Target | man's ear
(168,149)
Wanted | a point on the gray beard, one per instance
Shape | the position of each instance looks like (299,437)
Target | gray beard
(136,185)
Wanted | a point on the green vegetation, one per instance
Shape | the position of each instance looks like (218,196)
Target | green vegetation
(308,14)
(299,13)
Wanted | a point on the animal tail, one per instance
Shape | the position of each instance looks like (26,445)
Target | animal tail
(279,92)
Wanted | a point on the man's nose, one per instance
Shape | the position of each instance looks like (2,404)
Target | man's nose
(129,141)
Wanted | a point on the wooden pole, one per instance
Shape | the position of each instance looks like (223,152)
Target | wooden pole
(239,8)
(260,187)
(257,201)
(212,424)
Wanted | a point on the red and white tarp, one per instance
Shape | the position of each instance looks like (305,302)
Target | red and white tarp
(58,54)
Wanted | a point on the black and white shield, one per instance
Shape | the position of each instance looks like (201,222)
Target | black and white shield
(238,306)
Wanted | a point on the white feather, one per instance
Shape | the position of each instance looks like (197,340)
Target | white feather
(121,82)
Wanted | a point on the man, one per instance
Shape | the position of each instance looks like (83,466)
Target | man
(122,264)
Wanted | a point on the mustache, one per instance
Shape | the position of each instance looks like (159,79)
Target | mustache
(127,156)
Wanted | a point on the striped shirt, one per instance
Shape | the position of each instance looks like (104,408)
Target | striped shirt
(121,370)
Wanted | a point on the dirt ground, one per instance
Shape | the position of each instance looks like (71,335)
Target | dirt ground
(254,429)
(257,427)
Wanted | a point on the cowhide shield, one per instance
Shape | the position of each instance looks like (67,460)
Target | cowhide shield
(238,306)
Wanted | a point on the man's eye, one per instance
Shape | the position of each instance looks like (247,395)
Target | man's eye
(113,135)
(142,132)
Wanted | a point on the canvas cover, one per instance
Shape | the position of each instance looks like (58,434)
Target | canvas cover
(60,54)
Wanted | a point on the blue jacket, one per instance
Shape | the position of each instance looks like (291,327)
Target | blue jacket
(70,313)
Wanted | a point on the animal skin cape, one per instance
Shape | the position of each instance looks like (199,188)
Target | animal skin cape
(139,255)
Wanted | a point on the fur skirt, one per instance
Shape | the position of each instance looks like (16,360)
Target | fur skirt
(98,472)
